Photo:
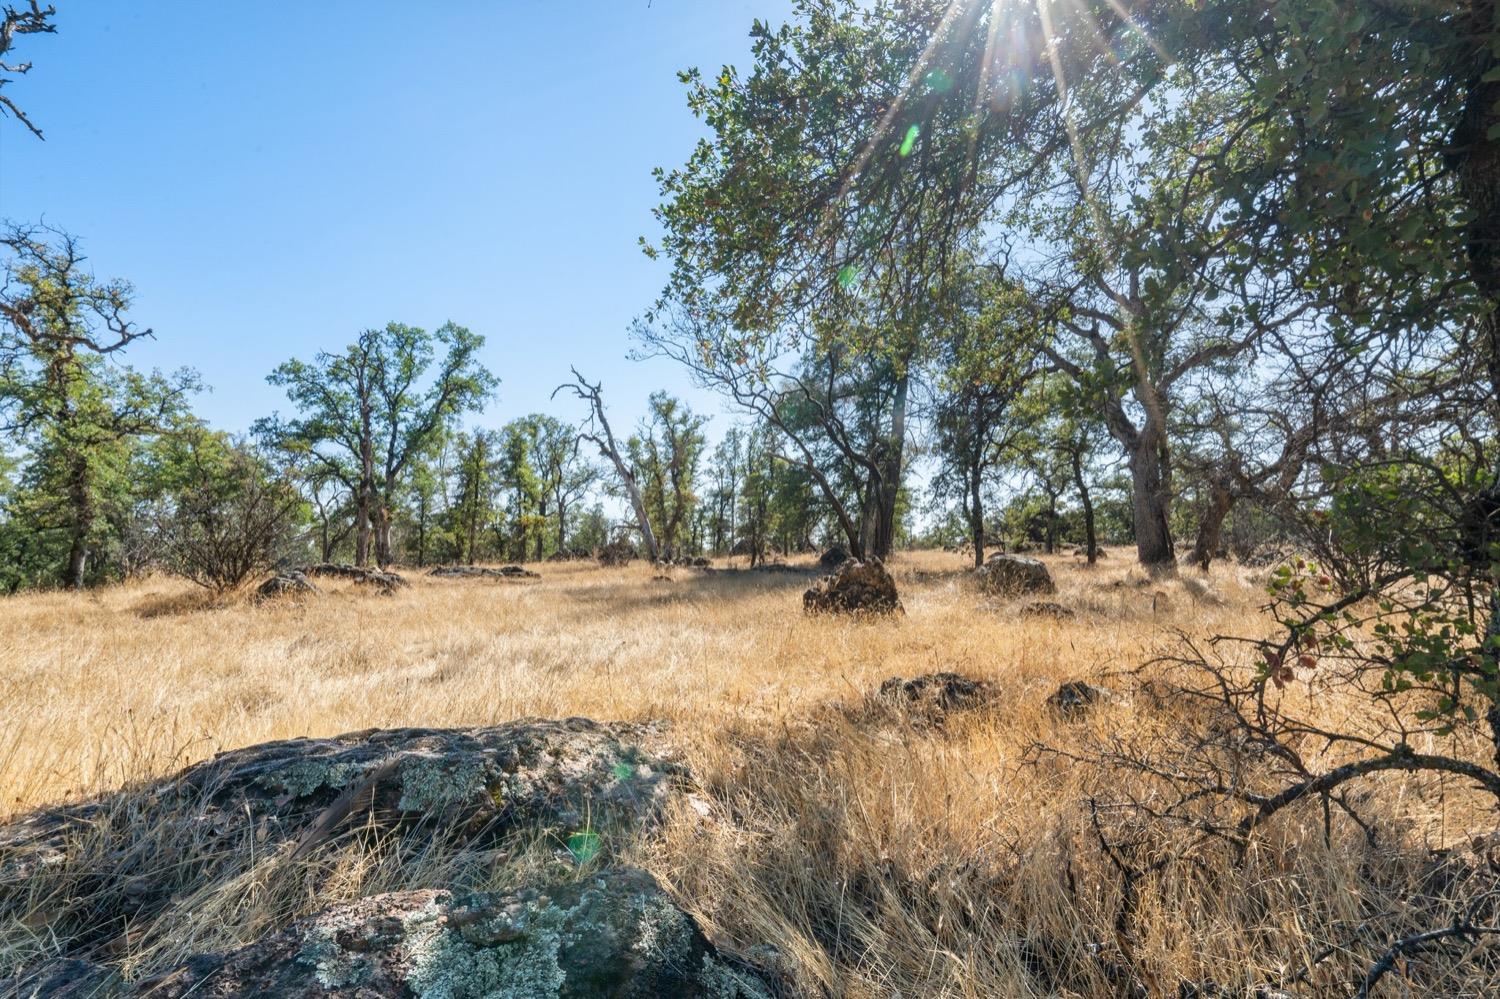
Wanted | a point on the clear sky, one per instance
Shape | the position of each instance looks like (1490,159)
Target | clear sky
(274,178)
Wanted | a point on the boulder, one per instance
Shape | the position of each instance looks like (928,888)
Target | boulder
(388,582)
(287,584)
(834,557)
(1075,697)
(463,787)
(615,933)
(63,978)
(476,572)
(1014,575)
(941,691)
(855,587)
(1045,608)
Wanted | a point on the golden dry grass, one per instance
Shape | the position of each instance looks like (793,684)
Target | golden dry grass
(879,858)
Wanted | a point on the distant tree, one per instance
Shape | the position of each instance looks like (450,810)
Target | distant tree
(231,515)
(564,476)
(665,453)
(726,467)
(597,431)
(367,413)
(75,414)
(476,471)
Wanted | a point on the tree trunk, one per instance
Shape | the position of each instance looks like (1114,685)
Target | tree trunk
(1209,539)
(1050,541)
(82,497)
(422,534)
(890,472)
(562,525)
(1150,505)
(1478,164)
(1090,537)
(976,512)
(383,519)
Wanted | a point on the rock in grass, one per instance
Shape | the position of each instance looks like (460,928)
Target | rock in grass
(287,584)
(616,934)
(481,572)
(362,575)
(461,787)
(1014,575)
(834,557)
(941,691)
(855,587)
(1075,697)
(1047,609)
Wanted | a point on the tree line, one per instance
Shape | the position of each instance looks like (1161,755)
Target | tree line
(111,474)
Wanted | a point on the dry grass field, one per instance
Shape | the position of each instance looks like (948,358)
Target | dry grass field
(865,854)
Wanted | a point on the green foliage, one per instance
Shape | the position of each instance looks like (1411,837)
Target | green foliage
(230,515)
(666,452)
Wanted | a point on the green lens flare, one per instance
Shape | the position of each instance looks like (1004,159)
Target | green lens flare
(848,274)
(938,81)
(910,142)
(624,771)
(584,846)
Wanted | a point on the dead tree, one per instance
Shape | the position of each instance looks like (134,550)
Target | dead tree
(596,425)
(33,19)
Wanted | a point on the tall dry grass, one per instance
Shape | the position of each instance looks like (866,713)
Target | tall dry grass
(877,857)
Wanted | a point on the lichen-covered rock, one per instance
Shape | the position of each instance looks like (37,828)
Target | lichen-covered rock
(862,587)
(1075,697)
(1047,609)
(483,572)
(62,978)
(388,582)
(613,934)
(287,584)
(1014,575)
(461,786)
(941,691)
(834,557)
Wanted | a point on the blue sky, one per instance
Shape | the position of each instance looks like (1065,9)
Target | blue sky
(274,179)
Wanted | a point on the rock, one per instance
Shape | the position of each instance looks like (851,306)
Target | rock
(62,978)
(863,587)
(288,584)
(1044,608)
(469,788)
(618,553)
(616,933)
(570,555)
(1014,575)
(941,691)
(475,571)
(743,548)
(388,582)
(834,557)
(1075,697)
